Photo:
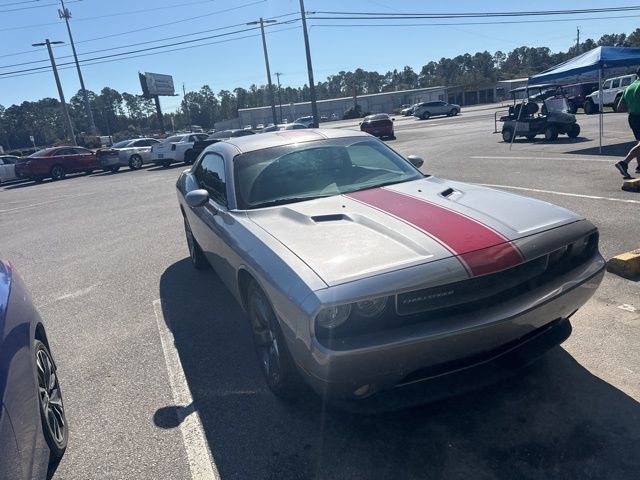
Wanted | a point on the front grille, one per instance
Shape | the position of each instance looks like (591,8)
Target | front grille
(472,295)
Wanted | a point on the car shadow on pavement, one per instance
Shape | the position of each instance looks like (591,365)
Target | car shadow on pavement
(614,150)
(556,420)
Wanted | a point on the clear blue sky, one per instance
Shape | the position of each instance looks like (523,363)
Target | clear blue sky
(240,62)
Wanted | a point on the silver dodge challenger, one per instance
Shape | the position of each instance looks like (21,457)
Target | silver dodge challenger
(360,275)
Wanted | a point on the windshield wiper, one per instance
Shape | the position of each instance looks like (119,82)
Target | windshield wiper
(283,201)
(378,185)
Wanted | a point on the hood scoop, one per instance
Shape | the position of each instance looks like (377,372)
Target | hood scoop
(336,217)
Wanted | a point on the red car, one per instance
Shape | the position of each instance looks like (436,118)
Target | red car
(56,163)
(378,125)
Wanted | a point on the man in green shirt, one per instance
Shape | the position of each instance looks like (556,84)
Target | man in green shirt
(630,102)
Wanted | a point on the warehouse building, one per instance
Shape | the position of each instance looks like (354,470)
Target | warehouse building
(385,102)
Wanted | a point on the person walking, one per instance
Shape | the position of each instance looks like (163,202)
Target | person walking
(630,102)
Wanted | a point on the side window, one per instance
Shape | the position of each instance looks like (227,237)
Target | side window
(80,151)
(64,151)
(615,83)
(140,143)
(210,176)
(10,161)
(626,81)
(607,85)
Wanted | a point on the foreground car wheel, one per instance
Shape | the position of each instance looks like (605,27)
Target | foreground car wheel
(275,360)
(198,259)
(573,131)
(135,162)
(550,133)
(507,134)
(57,173)
(54,422)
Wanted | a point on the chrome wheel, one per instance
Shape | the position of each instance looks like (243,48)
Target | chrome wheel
(265,338)
(51,405)
(135,162)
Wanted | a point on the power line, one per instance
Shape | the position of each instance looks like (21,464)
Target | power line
(385,16)
(497,22)
(145,28)
(100,17)
(40,5)
(89,62)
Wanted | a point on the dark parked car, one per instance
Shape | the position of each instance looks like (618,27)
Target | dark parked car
(200,145)
(56,163)
(379,125)
(576,94)
(33,426)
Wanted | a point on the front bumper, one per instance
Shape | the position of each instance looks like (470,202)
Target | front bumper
(432,351)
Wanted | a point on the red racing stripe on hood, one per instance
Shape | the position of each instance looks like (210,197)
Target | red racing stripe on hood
(483,249)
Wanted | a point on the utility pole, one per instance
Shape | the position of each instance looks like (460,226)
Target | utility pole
(66,14)
(186,104)
(65,111)
(312,85)
(578,41)
(279,95)
(266,61)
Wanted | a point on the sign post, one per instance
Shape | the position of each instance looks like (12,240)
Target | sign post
(155,85)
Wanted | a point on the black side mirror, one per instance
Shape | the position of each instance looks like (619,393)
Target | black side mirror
(197,198)
(415,161)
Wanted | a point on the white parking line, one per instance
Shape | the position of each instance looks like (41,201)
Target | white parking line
(557,159)
(591,197)
(33,205)
(200,459)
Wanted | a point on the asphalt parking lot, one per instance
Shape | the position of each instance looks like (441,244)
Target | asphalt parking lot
(158,369)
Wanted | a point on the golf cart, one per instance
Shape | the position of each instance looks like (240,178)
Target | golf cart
(553,117)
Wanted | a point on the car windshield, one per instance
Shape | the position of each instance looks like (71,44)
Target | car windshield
(175,138)
(122,144)
(323,168)
(556,104)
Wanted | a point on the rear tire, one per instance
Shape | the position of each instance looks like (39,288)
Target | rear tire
(589,107)
(276,363)
(52,414)
(615,103)
(550,133)
(507,135)
(57,173)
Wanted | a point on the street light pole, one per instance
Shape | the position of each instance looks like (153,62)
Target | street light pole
(66,14)
(279,94)
(65,111)
(312,85)
(266,61)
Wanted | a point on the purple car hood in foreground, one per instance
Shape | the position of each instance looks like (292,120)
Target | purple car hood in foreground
(347,237)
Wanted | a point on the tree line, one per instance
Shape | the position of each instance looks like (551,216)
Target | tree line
(125,115)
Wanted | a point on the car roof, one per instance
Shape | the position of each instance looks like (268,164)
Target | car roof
(287,137)
(377,116)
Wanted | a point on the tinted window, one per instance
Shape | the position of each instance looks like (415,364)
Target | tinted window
(9,160)
(140,143)
(222,134)
(615,83)
(210,176)
(80,151)
(122,144)
(607,85)
(64,151)
(625,82)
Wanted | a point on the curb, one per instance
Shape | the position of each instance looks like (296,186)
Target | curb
(626,265)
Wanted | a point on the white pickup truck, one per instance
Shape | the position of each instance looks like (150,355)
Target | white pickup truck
(612,90)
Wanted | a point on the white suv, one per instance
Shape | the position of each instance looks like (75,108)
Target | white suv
(612,90)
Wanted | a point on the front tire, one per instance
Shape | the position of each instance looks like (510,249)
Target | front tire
(57,173)
(425,116)
(135,162)
(507,135)
(277,366)
(573,131)
(52,414)
(197,256)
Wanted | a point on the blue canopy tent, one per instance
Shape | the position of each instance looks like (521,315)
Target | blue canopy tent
(590,66)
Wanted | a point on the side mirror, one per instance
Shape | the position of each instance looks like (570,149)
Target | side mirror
(360,123)
(415,161)
(197,198)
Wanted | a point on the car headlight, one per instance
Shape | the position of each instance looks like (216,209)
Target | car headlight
(371,308)
(332,317)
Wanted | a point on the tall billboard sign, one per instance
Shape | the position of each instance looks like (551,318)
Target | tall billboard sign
(155,85)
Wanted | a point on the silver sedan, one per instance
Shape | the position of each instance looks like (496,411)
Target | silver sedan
(361,276)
